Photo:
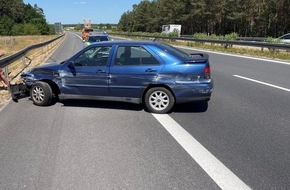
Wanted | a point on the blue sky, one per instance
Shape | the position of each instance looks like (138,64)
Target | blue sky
(73,11)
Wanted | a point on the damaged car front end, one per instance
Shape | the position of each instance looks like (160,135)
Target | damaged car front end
(41,83)
(32,78)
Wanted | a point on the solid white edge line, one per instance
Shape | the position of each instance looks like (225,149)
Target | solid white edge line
(221,175)
(264,83)
(76,35)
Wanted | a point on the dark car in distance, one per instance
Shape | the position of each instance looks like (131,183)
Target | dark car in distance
(151,73)
(285,38)
(96,37)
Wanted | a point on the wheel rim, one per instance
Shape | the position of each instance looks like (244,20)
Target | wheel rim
(159,100)
(38,94)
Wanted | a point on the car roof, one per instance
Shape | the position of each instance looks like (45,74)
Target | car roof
(97,34)
(165,47)
(284,35)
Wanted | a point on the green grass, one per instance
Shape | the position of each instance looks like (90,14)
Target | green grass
(243,50)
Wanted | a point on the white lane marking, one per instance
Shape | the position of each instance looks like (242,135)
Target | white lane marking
(222,176)
(234,55)
(264,83)
(76,35)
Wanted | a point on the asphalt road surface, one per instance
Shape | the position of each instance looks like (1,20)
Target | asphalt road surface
(240,141)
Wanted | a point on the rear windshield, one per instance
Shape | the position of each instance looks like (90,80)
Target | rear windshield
(98,38)
(89,30)
(177,52)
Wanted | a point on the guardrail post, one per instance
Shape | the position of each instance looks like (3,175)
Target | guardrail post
(24,61)
(6,73)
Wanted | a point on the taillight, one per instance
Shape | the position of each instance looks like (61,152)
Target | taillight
(207,72)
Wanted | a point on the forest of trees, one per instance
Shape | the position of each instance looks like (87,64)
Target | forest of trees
(256,18)
(252,18)
(17,18)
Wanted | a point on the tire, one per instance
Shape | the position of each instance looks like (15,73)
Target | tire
(41,94)
(159,100)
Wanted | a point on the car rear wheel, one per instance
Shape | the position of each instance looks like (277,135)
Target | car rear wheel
(41,94)
(159,100)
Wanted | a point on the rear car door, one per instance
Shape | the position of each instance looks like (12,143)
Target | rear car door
(133,69)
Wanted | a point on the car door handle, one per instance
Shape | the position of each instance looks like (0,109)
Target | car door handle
(101,71)
(151,70)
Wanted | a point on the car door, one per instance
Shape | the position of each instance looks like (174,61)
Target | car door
(87,73)
(133,70)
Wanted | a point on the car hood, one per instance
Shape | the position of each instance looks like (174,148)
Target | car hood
(48,69)
(49,66)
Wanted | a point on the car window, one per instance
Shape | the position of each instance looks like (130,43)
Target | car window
(104,38)
(177,52)
(134,55)
(95,56)
(286,37)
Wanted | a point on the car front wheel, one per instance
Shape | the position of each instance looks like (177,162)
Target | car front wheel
(159,100)
(41,94)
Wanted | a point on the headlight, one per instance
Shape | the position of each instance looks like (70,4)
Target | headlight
(26,74)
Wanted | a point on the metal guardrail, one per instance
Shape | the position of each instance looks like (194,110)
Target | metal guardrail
(270,46)
(257,39)
(4,62)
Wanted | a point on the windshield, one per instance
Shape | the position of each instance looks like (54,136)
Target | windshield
(98,38)
(89,30)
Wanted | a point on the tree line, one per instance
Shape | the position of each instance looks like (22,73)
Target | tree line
(17,18)
(252,18)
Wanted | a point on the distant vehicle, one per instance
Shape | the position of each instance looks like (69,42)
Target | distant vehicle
(85,33)
(171,28)
(87,28)
(151,73)
(285,38)
(96,37)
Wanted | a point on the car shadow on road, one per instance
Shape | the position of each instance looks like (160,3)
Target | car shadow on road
(195,107)
(192,107)
(102,104)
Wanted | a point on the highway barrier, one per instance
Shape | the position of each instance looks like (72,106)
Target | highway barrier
(4,62)
(242,42)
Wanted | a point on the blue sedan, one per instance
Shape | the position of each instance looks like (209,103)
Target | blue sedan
(151,73)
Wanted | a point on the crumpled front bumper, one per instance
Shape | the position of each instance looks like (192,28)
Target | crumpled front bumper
(18,90)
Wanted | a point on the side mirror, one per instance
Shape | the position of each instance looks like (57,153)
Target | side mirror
(71,65)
